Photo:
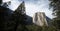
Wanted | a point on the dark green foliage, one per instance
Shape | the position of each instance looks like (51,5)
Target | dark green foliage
(0,1)
(56,11)
(33,27)
(36,28)
(19,18)
(5,19)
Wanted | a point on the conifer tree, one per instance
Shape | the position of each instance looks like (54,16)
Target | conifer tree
(19,16)
(56,12)
(0,1)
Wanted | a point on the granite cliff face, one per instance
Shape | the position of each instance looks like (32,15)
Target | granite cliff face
(40,19)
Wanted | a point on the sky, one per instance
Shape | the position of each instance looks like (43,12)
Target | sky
(32,6)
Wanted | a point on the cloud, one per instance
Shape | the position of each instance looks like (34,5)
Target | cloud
(33,6)
(43,6)
(14,4)
(6,0)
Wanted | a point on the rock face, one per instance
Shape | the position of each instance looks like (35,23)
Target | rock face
(40,19)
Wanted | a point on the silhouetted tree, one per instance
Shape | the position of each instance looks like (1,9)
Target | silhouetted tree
(19,16)
(55,4)
(6,4)
(5,14)
(0,2)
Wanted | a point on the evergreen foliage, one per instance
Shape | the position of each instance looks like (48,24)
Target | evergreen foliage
(0,1)
(56,12)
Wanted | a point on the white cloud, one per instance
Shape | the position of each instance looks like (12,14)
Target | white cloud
(6,0)
(39,7)
(33,7)
(14,4)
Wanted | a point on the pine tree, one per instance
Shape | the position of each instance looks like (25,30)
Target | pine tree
(0,1)
(56,12)
(5,14)
(19,16)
